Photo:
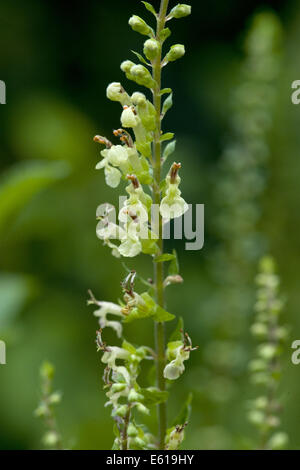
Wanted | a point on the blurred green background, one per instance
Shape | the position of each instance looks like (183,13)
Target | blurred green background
(56,60)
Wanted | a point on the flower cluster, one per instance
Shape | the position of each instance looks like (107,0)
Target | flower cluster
(153,198)
(265,367)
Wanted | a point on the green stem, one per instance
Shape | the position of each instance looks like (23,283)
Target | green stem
(158,267)
(125,430)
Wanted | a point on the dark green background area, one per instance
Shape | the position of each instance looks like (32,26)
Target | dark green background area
(56,59)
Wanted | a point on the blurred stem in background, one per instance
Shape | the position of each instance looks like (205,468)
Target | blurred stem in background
(52,437)
(266,368)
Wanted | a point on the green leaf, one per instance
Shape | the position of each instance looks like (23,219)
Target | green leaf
(165,90)
(168,103)
(23,181)
(166,32)
(15,289)
(164,257)
(169,149)
(150,8)
(140,57)
(128,347)
(167,136)
(161,315)
(153,396)
(174,265)
(177,335)
(185,412)
(149,310)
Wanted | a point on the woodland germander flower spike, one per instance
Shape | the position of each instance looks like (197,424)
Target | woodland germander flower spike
(266,368)
(138,159)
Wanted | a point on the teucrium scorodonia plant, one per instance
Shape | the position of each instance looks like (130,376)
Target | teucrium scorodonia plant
(138,158)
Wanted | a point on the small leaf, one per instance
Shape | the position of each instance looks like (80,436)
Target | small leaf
(131,349)
(167,136)
(140,57)
(168,103)
(177,335)
(150,8)
(164,257)
(166,32)
(161,315)
(174,265)
(153,396)
(165,90)
(169,149)
(185,412)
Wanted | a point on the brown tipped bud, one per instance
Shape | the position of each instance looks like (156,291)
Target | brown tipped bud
(134,181)
(174,171)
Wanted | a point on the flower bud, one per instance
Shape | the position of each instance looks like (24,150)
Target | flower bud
(118,387)
(142,409)
(176,52)
(151,48)
(114,91)
(128,117)
(127,65)
(138,98)
(121,411)
(142,76)
(132,430)
(50,439)
(278,441)
(55,398)
(139,25)
(134,396)
(181,10)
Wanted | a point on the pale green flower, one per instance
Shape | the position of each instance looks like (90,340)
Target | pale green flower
(129,117)
(180,353)
(172,204)
(115,92)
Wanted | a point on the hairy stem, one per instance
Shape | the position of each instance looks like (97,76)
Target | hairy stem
(158,267)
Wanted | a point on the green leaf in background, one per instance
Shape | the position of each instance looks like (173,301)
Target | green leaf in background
(149,7)
(153,396)
(169,149)
(177,335)
(23,181)
(164,257)
(168,103)
(14,291)
(174,265)
(185,412)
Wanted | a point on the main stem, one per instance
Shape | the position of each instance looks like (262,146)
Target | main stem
(158,267)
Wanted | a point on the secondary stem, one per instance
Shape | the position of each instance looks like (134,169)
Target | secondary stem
(158,267)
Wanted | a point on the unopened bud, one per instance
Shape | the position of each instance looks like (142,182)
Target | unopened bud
(127,65)
(176,52)
(114,91)
(139,25)
(151,48)
(181,10)
(128,117)
(138,98)
(142,76)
